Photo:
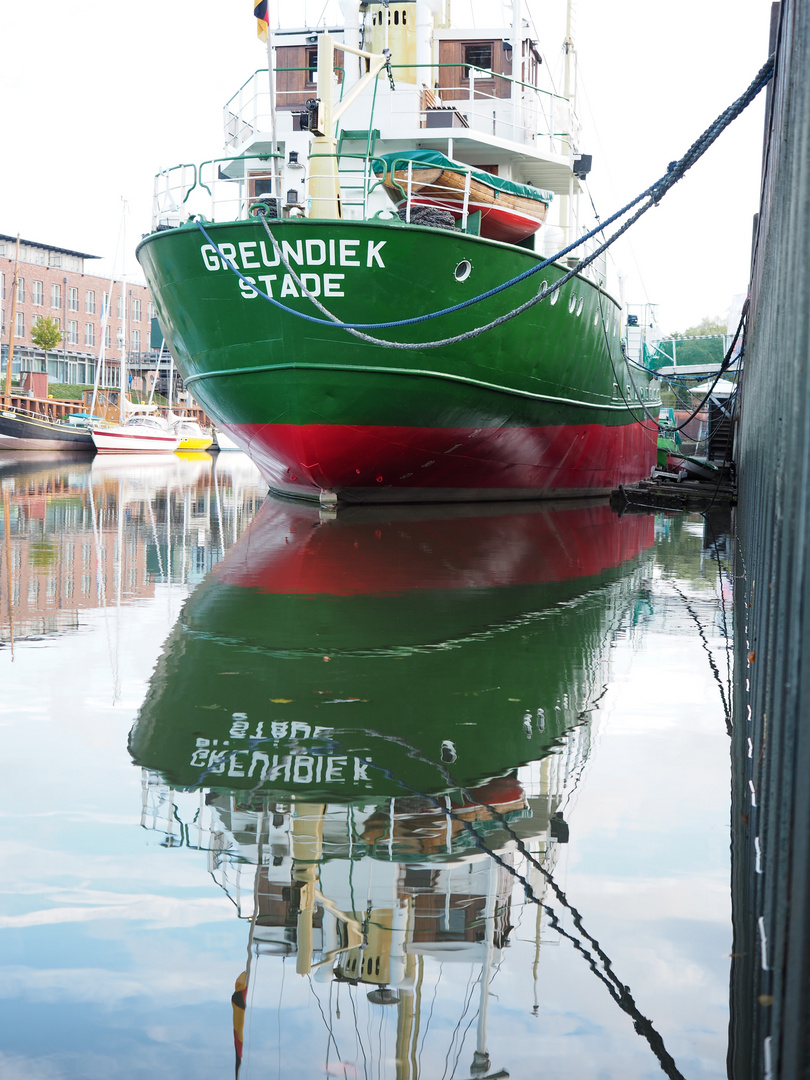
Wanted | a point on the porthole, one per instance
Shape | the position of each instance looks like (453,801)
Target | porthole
(580,306)
(542,289)
(555,296)
(463,270)
(595,318)
(572,303)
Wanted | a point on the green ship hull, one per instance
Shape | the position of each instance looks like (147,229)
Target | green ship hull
(541,405)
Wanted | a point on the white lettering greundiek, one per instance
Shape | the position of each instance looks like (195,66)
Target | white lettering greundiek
(253,254)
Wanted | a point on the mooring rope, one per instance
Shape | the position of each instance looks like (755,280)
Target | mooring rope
(618,990)
(653,194)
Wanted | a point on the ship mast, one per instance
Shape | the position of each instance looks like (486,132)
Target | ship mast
(570,94)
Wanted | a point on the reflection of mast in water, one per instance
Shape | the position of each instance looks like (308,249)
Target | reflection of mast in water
(317,893)
(361,896)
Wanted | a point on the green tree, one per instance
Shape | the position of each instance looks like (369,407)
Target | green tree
(707,325)
(46,333)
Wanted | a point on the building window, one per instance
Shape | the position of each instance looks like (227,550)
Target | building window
(120,307)
(73,332)
(478,55)
(107,341)
(36,293)
(2,286)
(90,302)
(150,310)
(55,261)
(20,290)
(19,324)
(89,334)
(73,299)
(56,296)
(136,341)
(136,310)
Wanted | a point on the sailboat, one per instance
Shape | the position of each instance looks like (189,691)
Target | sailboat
(449,348)
(141,433)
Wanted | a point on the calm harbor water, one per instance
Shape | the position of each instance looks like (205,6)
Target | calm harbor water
(421,794)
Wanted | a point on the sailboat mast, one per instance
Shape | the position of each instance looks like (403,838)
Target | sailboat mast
(11,324)
(123,348)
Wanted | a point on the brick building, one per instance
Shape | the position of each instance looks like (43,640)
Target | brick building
(52,281)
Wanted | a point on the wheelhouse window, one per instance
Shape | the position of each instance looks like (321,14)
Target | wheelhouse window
(478,55)
(312,67)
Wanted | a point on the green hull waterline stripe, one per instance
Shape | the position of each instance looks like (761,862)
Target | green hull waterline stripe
(367,369)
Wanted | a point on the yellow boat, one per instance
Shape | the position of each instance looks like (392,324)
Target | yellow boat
(192,436)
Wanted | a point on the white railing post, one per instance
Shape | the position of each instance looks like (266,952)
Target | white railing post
(408,196)
(466,204)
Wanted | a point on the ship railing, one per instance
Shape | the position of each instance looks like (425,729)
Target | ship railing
(451,95)
(490,103)
(228,189)
(221,189)
(172,188)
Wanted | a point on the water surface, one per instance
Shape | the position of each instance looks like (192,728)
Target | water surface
(420,793)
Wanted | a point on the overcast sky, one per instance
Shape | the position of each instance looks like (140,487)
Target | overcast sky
(98,97)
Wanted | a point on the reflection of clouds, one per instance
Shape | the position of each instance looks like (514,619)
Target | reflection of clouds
(109,989)
(700,897)
(25,864)
(13,1067)
(160,912)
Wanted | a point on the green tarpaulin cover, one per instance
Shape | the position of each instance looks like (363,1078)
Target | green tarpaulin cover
(433,159)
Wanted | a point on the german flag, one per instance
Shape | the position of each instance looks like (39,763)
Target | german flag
(260,11)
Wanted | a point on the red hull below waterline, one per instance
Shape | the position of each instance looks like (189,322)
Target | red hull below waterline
(417,464)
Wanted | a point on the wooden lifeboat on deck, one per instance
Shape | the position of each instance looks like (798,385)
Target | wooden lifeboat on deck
(510,211)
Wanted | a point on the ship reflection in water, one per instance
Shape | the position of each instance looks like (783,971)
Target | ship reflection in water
(372,726)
